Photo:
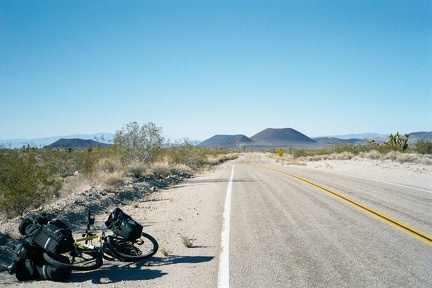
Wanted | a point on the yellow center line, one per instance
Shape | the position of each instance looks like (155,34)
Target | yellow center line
(381,216)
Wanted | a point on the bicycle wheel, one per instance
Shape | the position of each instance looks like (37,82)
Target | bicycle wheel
(84,261)
(130,251)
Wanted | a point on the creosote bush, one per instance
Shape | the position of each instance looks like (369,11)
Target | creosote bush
(136,143)
(136,169)
(423,147)
(161,169)
(24,183)
(111,181)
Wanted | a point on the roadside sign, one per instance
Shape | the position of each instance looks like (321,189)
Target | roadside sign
(281,152)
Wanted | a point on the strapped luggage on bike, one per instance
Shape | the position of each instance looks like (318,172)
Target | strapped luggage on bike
(123,225)
(51,235)
(29,264)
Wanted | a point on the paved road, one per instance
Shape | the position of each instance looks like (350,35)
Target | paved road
(287,233)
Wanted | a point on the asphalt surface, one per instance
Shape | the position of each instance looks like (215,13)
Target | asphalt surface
(288,233)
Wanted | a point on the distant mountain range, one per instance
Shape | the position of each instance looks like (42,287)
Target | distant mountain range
(288,137)
(41,142)
(268,138)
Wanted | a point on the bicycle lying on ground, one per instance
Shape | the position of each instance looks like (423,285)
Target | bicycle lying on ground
(90,250)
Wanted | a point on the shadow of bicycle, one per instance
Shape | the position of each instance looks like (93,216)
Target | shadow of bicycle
(175,259)
(113,273)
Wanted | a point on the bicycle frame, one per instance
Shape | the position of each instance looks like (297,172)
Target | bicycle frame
(88,246)
(90,249)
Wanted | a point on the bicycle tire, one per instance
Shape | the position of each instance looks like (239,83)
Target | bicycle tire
(130,251)
(85,261)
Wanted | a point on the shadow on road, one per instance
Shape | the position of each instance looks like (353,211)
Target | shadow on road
(174,259)
(114,274)
(133,271)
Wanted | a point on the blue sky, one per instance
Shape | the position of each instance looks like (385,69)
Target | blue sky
(200,68)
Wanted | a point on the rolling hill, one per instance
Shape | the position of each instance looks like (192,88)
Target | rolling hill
(227,141)
(283,136)
(75,143)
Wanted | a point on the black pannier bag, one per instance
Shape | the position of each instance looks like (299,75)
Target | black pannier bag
(51,235)
(30,264)
(123,225)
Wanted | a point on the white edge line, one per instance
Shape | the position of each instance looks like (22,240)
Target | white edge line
(223,276)
(385,182)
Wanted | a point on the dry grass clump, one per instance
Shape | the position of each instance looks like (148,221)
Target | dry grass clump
(187,241)
(398,156)
(373,155)
(342,156)
(182,169)
(166,252)
(220,158)
(162,169)
(111,181)
(74,184)
(324,157)
(109,165)
(137,169)
(409,157)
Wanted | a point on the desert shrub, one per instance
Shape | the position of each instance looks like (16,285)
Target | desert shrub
(194,157)
(343,155)
(108,165)
(187,154)
(297,153)
(392,155)
(75,184)
(407,157)
(373,154)
(423,147)
(24,183)
(160,169)
(136,169)
(138,144)
(111,181)
(181,169)
(424,159)
(343,147)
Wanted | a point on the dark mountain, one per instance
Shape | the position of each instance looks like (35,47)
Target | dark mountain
(226,141)
(284,135)
(75,143)
(268,138)
(415,136)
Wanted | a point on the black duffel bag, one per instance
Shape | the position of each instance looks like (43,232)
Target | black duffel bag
(29,264)
(123,225)
(51,235)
